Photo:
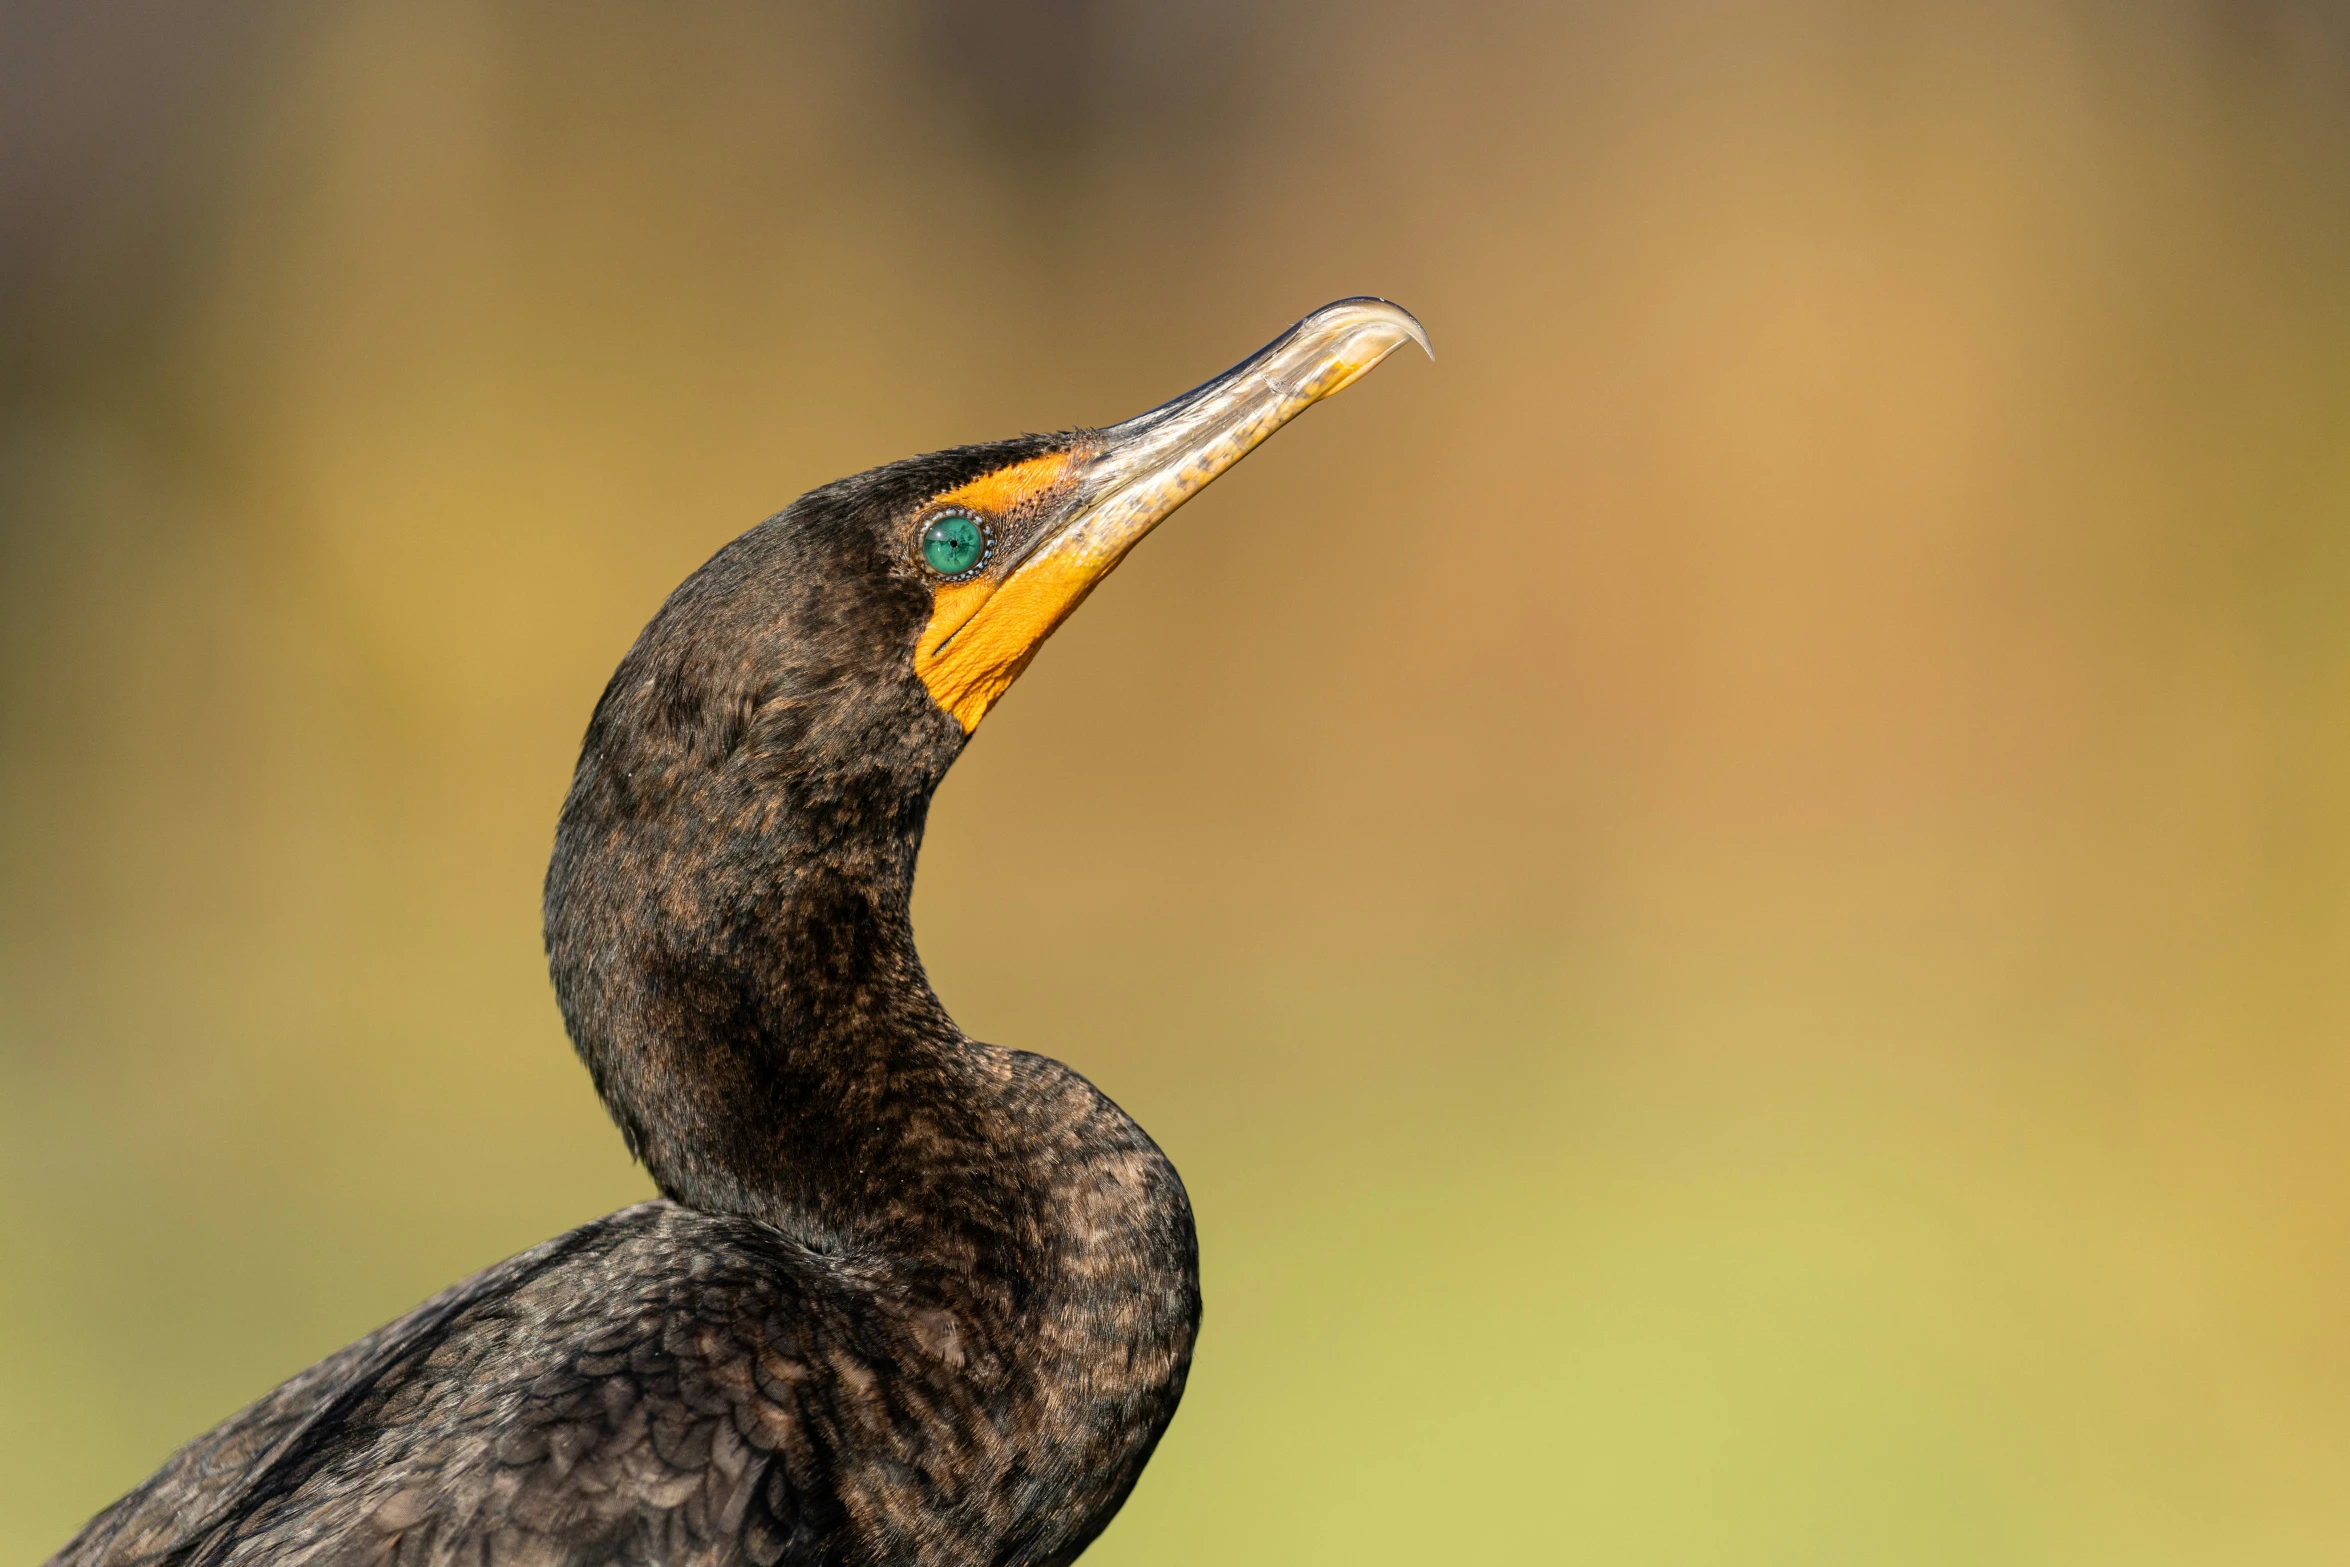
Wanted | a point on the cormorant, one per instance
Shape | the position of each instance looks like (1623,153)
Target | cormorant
(905,1297)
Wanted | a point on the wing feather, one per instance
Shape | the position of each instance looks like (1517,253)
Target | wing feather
(645,1389)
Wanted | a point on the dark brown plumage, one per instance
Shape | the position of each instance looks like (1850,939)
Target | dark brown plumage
(907,1298)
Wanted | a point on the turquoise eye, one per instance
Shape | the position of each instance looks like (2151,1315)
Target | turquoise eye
(953,544)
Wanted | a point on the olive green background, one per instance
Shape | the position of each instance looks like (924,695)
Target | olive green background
(1735,899)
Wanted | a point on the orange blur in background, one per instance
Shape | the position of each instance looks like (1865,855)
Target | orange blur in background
(1735,899)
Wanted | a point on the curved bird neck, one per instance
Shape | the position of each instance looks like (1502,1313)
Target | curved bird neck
(757,1019)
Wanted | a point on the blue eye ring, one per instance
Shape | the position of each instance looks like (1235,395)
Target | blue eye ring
(955,545)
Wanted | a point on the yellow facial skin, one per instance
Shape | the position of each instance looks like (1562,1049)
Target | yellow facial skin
(1095,501)
(982,633)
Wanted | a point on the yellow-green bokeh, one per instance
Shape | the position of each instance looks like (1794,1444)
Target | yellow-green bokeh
(1735,899)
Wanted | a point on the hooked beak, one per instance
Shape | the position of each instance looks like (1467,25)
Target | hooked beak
(1077,512)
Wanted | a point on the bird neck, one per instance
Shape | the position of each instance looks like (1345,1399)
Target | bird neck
(757,1019)
(729,931)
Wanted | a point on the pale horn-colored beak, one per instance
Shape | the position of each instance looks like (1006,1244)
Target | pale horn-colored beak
(1154,462)
(1095,502)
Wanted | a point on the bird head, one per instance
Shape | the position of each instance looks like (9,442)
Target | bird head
(843,650)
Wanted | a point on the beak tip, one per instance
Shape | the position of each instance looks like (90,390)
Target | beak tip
(1383,316)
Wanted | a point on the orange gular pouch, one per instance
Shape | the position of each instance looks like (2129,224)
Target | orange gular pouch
(986,626)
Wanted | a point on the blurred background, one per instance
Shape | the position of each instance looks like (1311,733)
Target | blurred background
(1735,899)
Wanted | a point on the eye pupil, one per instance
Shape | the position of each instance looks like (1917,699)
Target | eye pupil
(954,544)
